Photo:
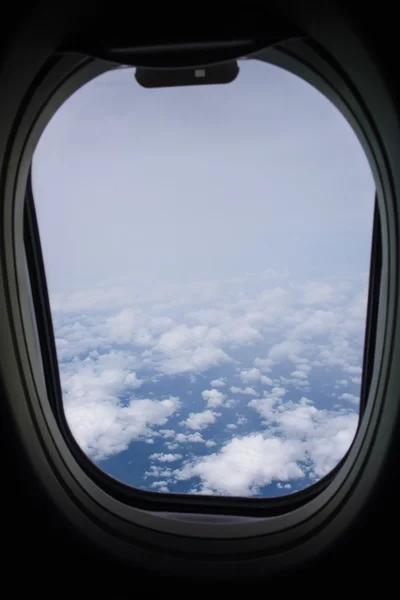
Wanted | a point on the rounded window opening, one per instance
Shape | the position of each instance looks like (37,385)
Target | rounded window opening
(207,254)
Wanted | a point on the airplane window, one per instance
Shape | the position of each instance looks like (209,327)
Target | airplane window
(207,253)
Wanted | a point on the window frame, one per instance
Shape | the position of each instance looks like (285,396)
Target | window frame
(133,534)
(153,500)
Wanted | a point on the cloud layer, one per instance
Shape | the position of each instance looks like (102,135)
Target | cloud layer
(282,408)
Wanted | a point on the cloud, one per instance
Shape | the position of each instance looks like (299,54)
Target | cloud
(158,471)
(244,464)
(175,355)
(200,420)
(185,438)
(326,435)
(167,433)
(214,398)
(287,350)
(264,364)
(342,382)
(186,349)
(299,374)
(217,383)
(253,376)
(320,293)
(298,441)
(248,391)
(350,398)
(105,361)
(102,426)
(354,370)
(165,457)
(134,326)
(160,486)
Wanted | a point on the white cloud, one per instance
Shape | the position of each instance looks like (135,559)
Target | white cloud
(284,486)
(287,350)
(186,349)
(171,445)
(303,367)
(319,293)
(158,471)
(214,398)
(264,364)
(201,359)
(165,457)
(185,438)
(248,391)
(200,420)
(325,435)
(299,374)
(102,426)
(350,398)
(160,486)
(244,464)
(316,323)
(167,433)
(215,383)
(300,439)
(254,375)
(353,369)
(100,389)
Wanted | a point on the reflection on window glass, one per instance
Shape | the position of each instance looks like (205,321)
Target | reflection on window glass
(207,253)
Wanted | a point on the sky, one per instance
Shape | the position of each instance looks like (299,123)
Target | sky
(207,252)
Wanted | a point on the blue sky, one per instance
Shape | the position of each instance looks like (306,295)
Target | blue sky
(207,254)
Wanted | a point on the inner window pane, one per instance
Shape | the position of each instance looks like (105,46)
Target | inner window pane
(207,253)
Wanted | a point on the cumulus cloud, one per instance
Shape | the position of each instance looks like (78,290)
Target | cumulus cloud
(201,420)
(158,471)
(320,293)
(213,398)
(264,364)
(254,375)
(105,362)
(135,326)
(299,440)
(215,383)
(247,391)
(186,349)
(326,435)
(350,398)
(299,374)
(200,359)
(165,457)
(244,464)
(192,438)
(287,350)
(102,426)
(160,486)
